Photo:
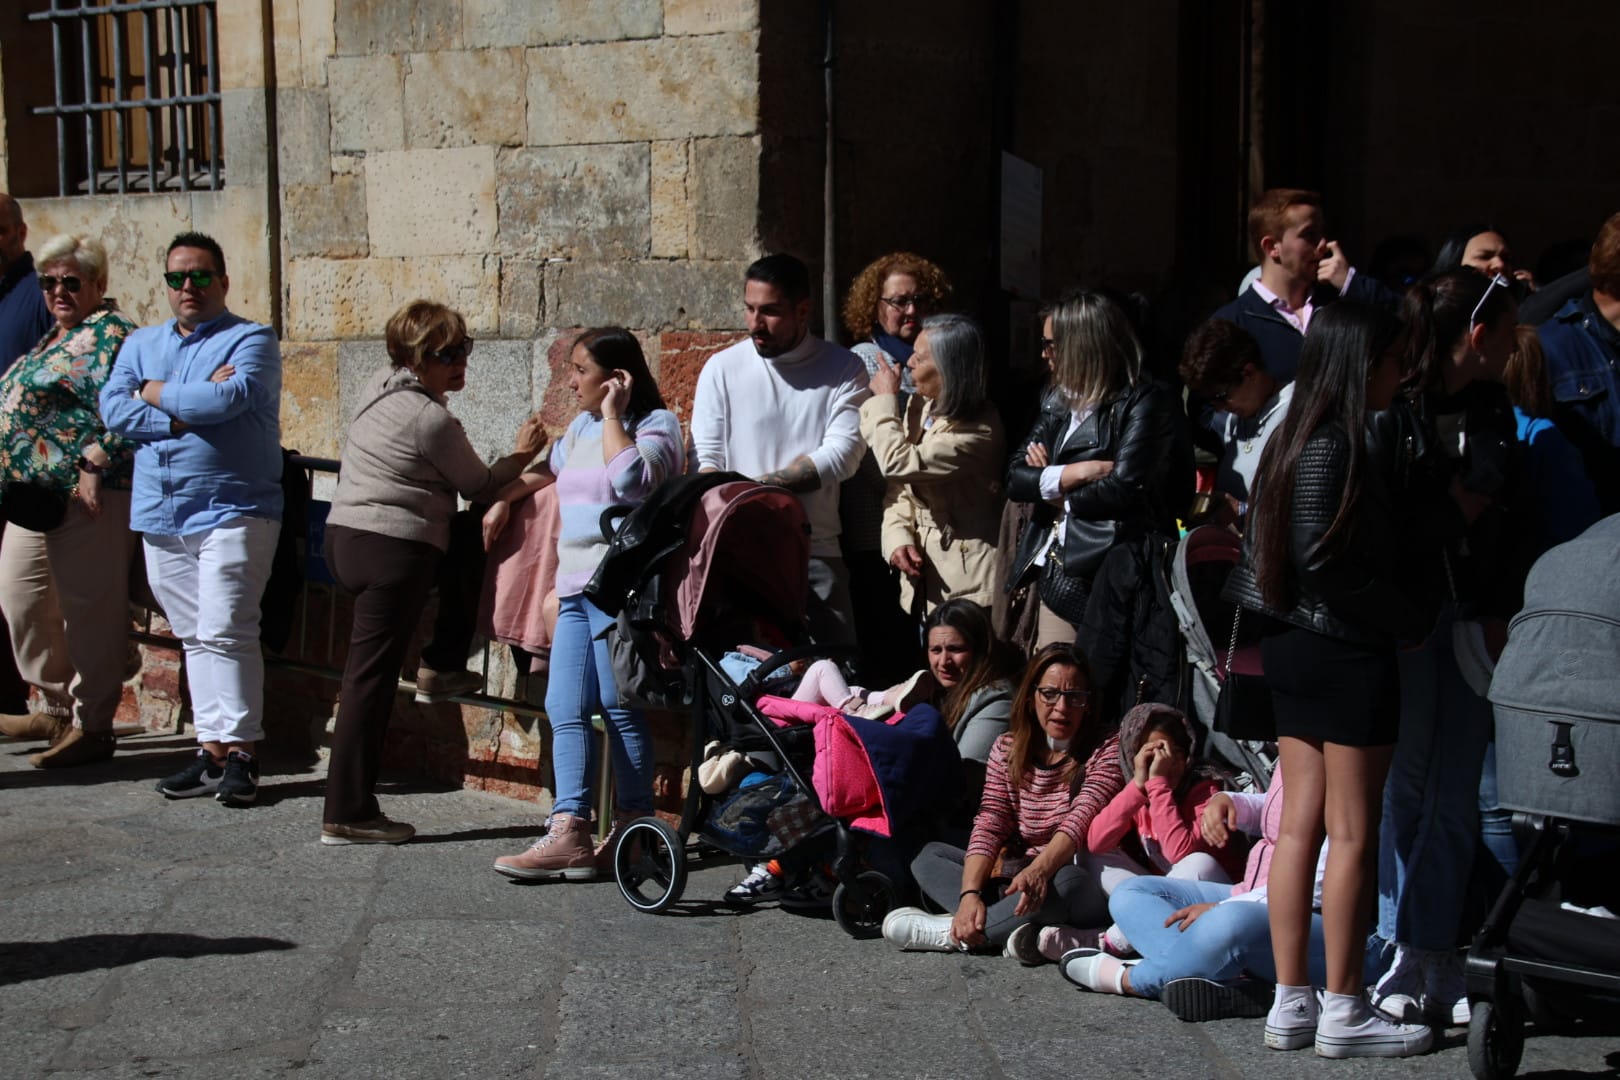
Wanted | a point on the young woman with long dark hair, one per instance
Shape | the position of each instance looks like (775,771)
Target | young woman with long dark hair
(1319,566)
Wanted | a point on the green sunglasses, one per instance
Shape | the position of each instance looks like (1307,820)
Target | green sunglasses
(201,279)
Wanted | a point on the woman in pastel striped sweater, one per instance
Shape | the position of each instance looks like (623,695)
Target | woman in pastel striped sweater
(623,443)
(1048,777)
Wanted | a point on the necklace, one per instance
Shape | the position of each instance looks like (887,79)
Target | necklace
(1259,426)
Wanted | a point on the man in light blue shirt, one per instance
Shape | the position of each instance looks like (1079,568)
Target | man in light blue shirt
(201,395)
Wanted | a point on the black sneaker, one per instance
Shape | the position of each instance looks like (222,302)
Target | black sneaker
(240,785)
(1199,1000)
(201,777)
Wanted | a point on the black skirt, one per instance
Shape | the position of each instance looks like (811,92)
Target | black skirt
(1332,690)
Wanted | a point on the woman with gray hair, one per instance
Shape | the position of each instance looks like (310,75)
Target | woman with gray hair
(941,455)
(64,492)
(1107,461)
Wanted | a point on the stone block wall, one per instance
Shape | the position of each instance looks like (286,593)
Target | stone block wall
(538,166)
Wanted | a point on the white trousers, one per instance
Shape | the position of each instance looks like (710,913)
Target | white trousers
(210,584)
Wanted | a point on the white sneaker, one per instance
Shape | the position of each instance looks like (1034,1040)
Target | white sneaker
(915,930)
(1445,991)
(1291,1023)
(1349,1027)
(1399,994)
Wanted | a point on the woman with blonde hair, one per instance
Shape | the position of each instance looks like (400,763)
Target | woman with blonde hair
(1107,461)
(58,460)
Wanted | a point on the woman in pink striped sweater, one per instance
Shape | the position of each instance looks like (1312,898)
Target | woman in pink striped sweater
(1046,779)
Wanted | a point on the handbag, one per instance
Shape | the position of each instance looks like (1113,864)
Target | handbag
(32,506)
(1063,593)
(1244,710)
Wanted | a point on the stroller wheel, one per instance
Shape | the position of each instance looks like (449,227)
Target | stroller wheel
(1495,1042)
(649,864)
(860,905)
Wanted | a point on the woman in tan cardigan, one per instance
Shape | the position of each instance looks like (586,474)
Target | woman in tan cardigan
(941,453)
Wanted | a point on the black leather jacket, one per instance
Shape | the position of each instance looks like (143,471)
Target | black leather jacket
(1349,593)
(1143,431)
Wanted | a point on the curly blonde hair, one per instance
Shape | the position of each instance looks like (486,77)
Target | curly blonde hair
(860,304)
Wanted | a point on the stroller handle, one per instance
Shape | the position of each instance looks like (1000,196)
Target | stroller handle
(792,656)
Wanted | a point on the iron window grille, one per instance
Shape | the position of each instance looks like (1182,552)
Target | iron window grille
(137,95)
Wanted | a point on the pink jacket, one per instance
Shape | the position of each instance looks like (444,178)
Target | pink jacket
(1169,830)
(521,570)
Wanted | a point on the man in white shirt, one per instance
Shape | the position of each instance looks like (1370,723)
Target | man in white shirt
(783,406)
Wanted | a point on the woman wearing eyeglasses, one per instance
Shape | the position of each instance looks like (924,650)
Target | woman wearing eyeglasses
(1053,771)
(1109,460)
(1465,486)
(406,460)
(58,461)
(883,314)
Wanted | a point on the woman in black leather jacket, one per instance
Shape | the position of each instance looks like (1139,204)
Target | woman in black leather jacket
(1319,563)
(1108,460)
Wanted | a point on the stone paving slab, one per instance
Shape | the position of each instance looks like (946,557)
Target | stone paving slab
(141,937)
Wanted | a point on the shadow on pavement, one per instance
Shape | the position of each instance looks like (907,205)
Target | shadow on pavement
(22,961)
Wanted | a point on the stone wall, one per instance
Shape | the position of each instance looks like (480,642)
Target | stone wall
(539,167)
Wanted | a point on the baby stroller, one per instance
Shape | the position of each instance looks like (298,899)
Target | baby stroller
(1550,948)
(703,555)
(1203,560)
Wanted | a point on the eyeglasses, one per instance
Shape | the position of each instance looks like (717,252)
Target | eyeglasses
(900,303)
(1498,279)
(200,279)
(47,283)
(1074,699)
(1048,344)
(451,355)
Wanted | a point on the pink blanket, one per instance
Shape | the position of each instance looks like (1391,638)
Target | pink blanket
(842,776)
(521,571)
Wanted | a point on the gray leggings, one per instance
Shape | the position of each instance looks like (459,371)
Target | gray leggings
(1075,897)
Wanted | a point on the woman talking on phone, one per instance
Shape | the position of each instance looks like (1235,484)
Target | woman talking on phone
(623,443)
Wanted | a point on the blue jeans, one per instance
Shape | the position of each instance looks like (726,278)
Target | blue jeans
(1431,799)
(1220,945)
(582,686)
(1495,823)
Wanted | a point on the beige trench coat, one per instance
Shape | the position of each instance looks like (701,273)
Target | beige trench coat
(944,495)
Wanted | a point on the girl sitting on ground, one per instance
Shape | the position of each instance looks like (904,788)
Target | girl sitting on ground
(1047,778)
(1150,828)
(1197,939)
(967,680)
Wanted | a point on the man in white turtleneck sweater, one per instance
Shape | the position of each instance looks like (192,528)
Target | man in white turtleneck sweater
(783,406)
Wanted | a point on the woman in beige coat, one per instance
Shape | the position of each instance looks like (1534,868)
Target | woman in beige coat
(941,452)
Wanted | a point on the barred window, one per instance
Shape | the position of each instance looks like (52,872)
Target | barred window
(135,100)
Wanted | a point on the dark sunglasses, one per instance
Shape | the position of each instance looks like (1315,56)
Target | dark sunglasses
(451,355)
(1047,344)
(200,279)
(1074,699)
(47,283)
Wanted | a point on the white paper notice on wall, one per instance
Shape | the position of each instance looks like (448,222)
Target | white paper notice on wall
(1020,227)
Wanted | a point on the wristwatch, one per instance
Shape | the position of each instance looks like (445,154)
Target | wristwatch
(86,465)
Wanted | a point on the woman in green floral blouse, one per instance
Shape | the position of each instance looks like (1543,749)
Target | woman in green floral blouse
(65,592)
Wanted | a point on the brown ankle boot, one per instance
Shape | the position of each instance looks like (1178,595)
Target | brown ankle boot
(36,725)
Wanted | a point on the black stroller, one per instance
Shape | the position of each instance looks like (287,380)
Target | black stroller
(705,554)
(1550,948)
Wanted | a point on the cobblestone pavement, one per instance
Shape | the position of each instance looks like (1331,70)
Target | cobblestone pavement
(145,938)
